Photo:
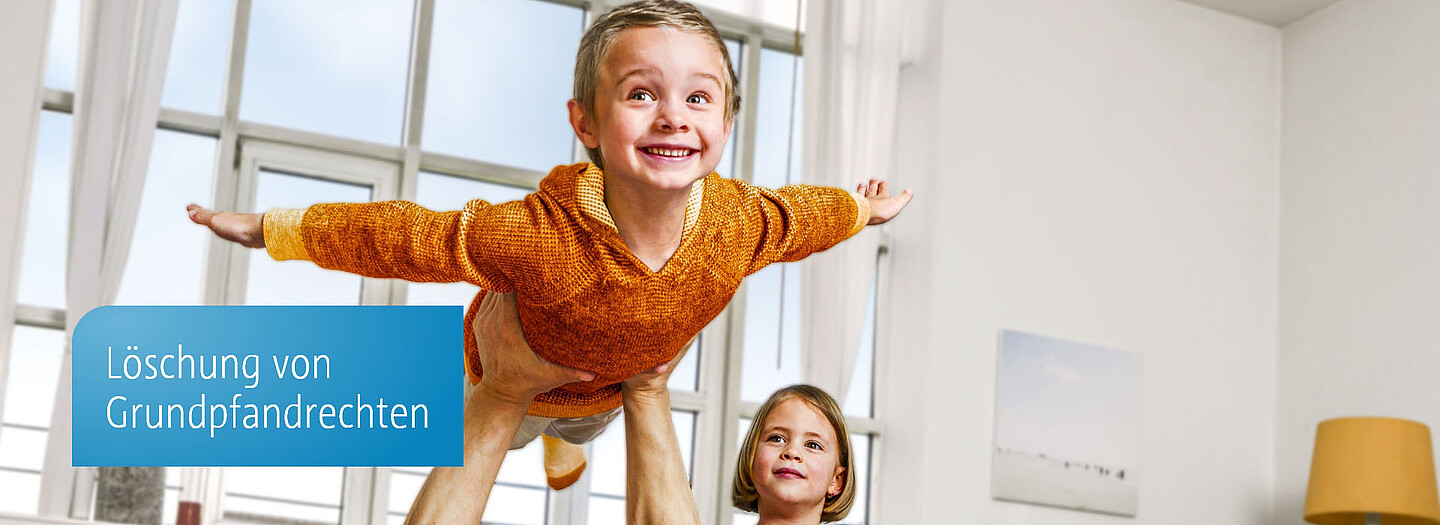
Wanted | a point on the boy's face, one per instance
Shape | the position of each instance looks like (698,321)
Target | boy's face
(659,117)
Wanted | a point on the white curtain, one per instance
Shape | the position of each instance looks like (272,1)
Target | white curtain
(124,50)
(23,32)
(852,66)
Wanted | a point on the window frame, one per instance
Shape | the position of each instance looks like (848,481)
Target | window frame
(244,147)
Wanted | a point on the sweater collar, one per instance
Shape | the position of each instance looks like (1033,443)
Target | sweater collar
(590,193)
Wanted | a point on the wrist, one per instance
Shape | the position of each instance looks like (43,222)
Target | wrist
(502,397)
(645,395)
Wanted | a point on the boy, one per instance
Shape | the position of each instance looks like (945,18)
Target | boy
(616,264)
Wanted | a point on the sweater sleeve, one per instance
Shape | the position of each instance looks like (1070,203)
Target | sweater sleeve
(393,239)
(800,219)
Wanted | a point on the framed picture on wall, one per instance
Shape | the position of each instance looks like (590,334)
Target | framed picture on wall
(1067,425)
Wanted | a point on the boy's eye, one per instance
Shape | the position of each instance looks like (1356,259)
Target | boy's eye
(698,98)
(640,95)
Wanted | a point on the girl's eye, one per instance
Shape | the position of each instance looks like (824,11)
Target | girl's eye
(814,445)
(698,98)
(775,438)
(641,95)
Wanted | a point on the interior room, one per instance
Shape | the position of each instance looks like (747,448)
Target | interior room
(1241,196)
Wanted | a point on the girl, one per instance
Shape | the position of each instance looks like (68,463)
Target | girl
(795,464)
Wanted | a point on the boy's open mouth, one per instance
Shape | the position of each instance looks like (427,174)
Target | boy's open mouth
(669,152)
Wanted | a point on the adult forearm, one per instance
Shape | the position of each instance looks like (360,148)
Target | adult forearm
(458,494)
(657,490)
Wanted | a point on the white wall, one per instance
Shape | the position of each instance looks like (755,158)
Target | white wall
(1104,171)
(1360,226)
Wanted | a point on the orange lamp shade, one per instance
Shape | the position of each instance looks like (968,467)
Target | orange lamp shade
(1372,465)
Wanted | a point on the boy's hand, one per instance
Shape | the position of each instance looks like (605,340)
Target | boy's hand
(243,228)
(655,379)
(883,206)
(512,371)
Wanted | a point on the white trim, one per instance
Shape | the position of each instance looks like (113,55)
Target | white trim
(357,496)
(39,316)
(217,252)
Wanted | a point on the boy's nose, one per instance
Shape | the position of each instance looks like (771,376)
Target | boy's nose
(672,119)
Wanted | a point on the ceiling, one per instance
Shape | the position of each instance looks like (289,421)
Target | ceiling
(1277,13)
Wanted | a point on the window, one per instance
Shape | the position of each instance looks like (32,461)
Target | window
(502,107)
(195,77)
(60,65)
(42,268)
(161,227)
(321,107)
(35,355)
(309,65)
(607,456)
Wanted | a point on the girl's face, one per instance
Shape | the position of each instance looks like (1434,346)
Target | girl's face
(797,461)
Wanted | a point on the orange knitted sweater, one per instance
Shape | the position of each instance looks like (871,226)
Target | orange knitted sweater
(584,300)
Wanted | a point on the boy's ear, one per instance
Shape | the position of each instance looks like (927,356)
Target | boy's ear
(584,126)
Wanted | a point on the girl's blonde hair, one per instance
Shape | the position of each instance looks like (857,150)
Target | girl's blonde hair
(595,45)
(744,495)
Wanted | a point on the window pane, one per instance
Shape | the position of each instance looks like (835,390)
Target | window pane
(22,448)
(605,511)
(181,168)
(772,332)
(687,372)
(520,494)
(726,168)
(772,295)
(331,66)
(19,492)
(35,355)
(42,265)
(172,495)
(195,77)
(862,379)
(443,193)
(34,373)
(607,464)
(777,136)
(484,100)
(60,66)
(298,282)
(860,445)
(305,493)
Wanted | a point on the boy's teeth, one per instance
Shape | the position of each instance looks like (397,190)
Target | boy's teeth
(668,152)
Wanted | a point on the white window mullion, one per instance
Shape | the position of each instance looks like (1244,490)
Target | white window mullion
(357,498)
(218,253)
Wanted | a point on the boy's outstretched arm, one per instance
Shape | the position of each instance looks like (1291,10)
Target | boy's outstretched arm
(883,206)
(392,239)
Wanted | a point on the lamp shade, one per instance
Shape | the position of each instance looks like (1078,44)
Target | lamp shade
(1372,465)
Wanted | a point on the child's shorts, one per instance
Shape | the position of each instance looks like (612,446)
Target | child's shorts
(575,430)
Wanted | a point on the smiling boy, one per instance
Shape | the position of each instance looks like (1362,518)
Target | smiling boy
(618,263)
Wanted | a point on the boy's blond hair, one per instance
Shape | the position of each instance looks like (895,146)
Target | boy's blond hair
(744,495)
(595,45)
